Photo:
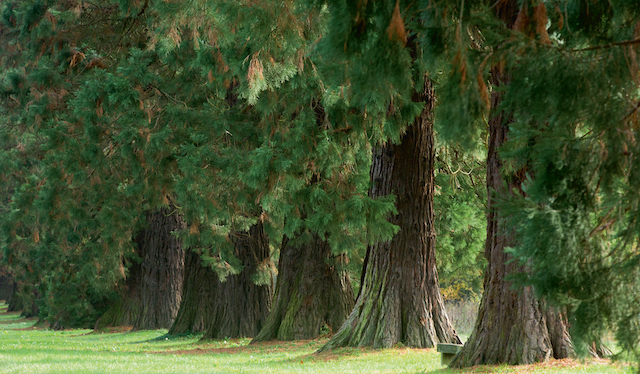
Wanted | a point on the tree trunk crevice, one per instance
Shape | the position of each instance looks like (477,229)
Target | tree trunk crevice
(400,299)
(313,291)
(153,287)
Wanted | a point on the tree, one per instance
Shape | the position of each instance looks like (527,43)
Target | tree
(98,171)
(574,108)
(534,332)
(313,291)
(307,168)
(153,287)
(131,119)
(460,204)
(402,270)
(233,307)
(6,285)
(381,58)
(538,73)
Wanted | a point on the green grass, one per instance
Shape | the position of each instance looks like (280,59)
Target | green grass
(25,349)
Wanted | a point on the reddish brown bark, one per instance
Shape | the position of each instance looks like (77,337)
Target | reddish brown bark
(513,326)
(400,300)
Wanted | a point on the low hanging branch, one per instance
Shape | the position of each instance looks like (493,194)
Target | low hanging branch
(606,46)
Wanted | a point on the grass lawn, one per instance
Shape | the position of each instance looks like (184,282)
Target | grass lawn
(26,349)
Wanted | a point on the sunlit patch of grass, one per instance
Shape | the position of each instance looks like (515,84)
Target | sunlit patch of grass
(85,351)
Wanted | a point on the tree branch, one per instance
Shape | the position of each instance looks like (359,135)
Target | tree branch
(605,46)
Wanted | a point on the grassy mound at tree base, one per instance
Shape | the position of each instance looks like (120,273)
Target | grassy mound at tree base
(25,349)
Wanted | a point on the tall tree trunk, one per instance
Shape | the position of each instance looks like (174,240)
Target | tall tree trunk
(513,327)
(196,299)
(232,309)
(312,291)
(6,286)
(154,286)
(400,300)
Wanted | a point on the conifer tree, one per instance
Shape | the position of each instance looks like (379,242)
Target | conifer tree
(375,47)
(535,332)
(308,170)
(153,286)
(577,221)
(87,200)
(460,203)
(235,307)
(530,114)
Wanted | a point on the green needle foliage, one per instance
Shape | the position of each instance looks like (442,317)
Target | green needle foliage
(215,108)
(573,97)
(234,111)
(460,221)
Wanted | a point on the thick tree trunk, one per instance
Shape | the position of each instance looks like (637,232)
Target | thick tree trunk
(154,286)
(23,299)
(312,291)
(14,300)
(400,300)
(6,287)
(196,299)
(241,305)
(513,327)
(232,309)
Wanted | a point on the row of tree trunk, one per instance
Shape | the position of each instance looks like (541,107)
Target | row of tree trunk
(399,301)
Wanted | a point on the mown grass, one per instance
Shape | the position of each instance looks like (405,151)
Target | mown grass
(28,349)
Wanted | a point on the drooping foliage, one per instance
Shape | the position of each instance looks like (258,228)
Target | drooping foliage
(572,98)
(236,110)
(125,106)
(577,126)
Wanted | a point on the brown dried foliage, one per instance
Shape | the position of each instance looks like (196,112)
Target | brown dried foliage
(396,28)
(255,69)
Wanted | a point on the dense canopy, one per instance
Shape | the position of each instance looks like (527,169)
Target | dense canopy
(237,117)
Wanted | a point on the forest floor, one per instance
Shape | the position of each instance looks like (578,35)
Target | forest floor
(26,348)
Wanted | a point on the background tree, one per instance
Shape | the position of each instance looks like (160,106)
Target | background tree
(535,333)
(310,167)
(100,171)
(460,221)
(236,306)
(153,286)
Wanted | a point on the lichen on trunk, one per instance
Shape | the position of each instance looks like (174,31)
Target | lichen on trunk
(400,300)
(312,291)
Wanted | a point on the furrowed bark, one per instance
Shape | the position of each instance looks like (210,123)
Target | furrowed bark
(154,286)
(400,299)
(513,327)
(312,292)
(234,308)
